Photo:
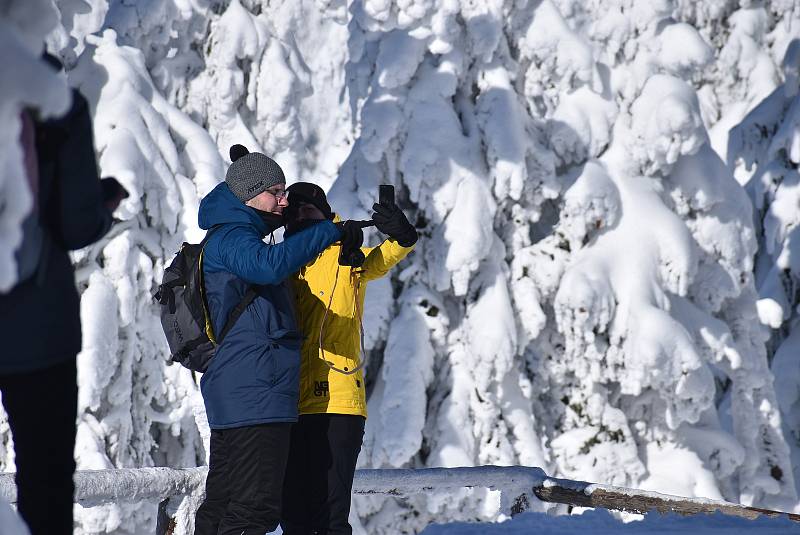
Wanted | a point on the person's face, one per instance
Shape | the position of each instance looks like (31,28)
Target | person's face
(271,200)
(303,212)
(308,211)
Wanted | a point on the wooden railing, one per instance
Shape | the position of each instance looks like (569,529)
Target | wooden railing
(519,486)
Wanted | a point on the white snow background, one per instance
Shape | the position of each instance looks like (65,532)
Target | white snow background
(607,191)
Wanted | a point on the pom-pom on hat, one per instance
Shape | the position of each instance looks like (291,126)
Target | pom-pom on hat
(237,151)
(251,173)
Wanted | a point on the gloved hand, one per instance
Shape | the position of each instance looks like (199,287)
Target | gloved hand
(352,235)
(352,238)
(393,222)
(113,192)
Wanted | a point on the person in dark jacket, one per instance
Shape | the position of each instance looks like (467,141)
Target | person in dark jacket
(250,388)
(40,315)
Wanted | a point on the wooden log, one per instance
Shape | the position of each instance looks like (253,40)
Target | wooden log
(583,494)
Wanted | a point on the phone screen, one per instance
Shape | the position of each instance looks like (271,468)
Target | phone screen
(386,195)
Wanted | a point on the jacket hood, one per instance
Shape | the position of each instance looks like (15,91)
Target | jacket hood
(221,206)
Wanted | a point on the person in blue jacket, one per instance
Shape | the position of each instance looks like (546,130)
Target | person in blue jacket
(251,386)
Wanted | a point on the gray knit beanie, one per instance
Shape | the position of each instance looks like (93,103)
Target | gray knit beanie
(253,173)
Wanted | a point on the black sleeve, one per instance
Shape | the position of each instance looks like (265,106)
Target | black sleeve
(82,217)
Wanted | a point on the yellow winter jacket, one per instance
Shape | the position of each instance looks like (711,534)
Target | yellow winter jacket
(325,285)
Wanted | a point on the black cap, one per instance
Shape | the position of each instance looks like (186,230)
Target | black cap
(306,192)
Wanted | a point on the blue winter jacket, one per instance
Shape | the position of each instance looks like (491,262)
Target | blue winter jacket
(253,377)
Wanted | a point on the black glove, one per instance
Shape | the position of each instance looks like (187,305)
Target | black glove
(113,192)
(352,238)
(393,222)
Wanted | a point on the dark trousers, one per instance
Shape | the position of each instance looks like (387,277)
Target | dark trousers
(319,476)
(245,478)
(42,410)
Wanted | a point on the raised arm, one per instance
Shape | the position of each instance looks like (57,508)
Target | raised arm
(241,252)
(383,257)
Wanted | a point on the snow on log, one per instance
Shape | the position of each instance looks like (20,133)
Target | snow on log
(96,487)
(518,484)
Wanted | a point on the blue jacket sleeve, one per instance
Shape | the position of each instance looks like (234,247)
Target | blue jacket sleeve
(241,252)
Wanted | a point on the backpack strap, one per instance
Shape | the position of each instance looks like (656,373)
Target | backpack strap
(240,307)
(236,312)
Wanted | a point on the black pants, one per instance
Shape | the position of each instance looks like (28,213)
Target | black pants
(245,477)
(42,410)
(319,477)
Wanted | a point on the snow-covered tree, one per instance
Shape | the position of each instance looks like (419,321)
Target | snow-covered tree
(583,297)
(767,140)
(750,39)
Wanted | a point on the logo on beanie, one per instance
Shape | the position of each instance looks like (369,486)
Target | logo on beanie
(256,187)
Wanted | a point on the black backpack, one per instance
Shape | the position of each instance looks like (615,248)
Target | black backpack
(184,311)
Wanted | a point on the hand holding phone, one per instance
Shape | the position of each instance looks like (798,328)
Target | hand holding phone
(391,220)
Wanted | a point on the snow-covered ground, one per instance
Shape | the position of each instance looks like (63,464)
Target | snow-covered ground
(595,292)
(603,523)
(11,523)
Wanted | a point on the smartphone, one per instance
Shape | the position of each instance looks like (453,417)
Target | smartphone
(386,195)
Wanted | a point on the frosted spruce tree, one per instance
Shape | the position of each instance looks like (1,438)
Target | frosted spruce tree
(134,410)
(749,39)
(583,297)
(767,143)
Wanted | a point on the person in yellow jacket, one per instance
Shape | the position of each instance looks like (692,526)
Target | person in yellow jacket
(329,298)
